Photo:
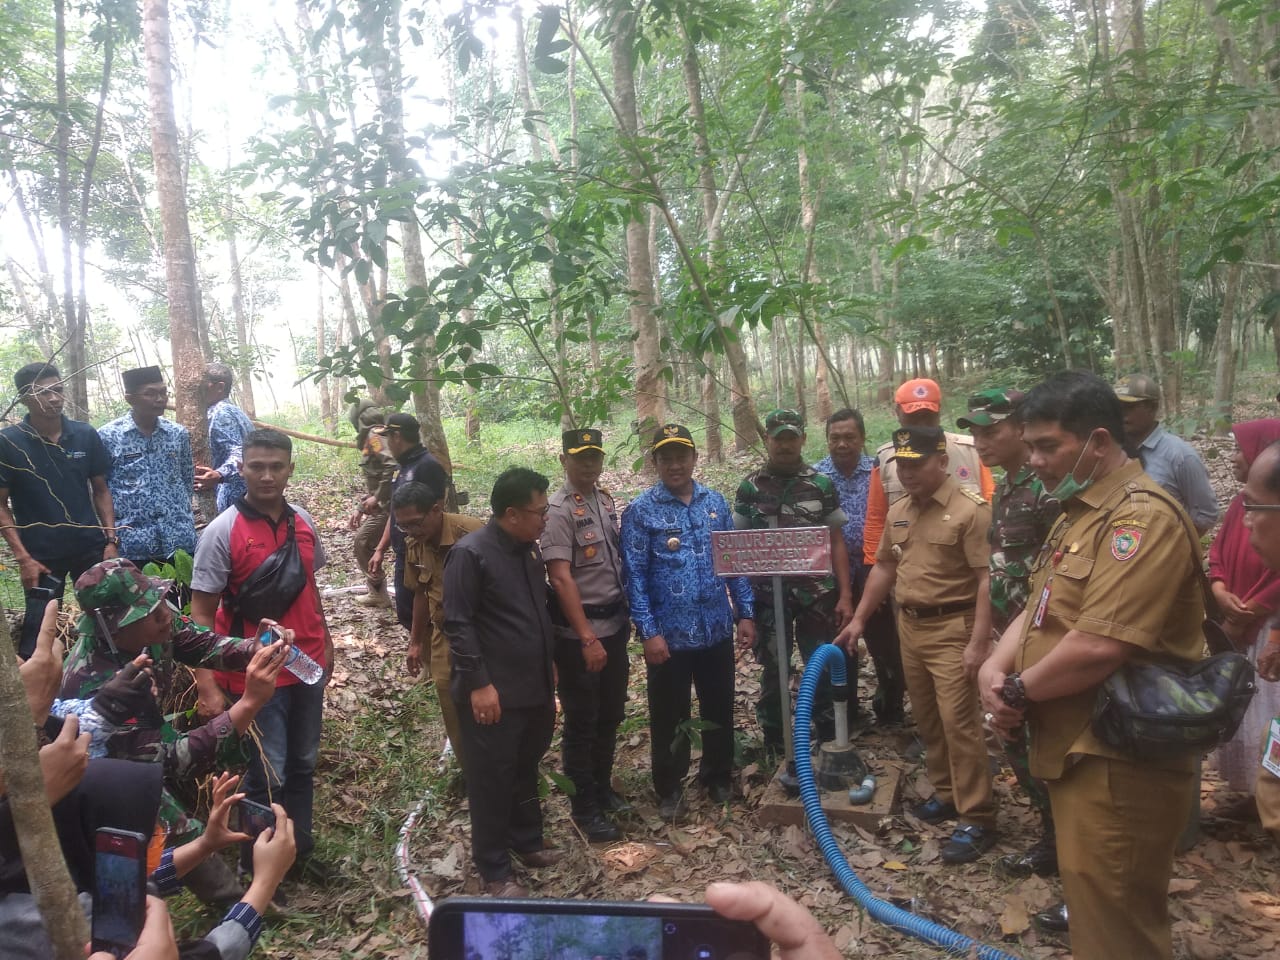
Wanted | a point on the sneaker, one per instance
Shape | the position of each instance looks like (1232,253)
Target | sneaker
(934,810)
(672,805)
(968,843)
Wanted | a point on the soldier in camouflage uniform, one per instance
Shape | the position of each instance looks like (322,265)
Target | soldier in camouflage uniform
(377,467)
(816,608)
(125,615)
(1022,515)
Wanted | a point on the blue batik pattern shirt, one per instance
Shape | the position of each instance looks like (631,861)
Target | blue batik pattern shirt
(853,499)
(672,588)
(150,479)
(228,426)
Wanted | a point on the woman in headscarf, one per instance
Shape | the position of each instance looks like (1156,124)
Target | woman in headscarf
(1248,593)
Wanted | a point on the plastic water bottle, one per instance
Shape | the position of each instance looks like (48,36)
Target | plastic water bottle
(296,662)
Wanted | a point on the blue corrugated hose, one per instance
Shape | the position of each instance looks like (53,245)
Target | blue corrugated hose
(830,657)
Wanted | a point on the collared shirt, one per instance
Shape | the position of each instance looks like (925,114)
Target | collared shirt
(424,567)
(378,467)
(852,490)
(233,546)
(417,465)
(49,490)
(1174,464)
(495,616)
(228,426)
(150,479)
(1022,515)
(802,499)
(939,546)
(671,585)
(90,664)
(584,531)
(1119,563)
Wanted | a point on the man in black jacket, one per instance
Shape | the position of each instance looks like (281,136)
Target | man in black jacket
(501,641)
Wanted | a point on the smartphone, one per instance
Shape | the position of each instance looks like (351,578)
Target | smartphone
(271,635)
(479,928)
(119,890)
(45,589)
(251,818)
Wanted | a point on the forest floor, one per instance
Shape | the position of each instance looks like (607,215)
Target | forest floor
(381,755)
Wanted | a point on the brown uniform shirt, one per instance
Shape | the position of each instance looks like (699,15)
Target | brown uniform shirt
(1119,563)
(584,531)
(424,568)
(940,547)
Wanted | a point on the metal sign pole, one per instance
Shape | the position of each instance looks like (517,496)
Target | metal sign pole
(784,661)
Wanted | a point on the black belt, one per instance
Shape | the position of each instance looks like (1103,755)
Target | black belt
(946,610)
(593,611)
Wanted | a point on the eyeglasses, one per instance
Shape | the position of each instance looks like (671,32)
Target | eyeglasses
(160,394)
(408,526)
(536,511)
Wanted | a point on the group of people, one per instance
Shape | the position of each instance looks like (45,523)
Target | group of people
(99,506)
(998,607)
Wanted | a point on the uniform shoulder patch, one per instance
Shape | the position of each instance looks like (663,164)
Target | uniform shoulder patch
(972,495)
(557,498)
(1125,540)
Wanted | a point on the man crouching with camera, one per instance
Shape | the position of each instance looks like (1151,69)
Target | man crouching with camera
(1117,582)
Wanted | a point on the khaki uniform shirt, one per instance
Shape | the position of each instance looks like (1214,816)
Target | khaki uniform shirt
(940,547)
(964,465)
(1119,563)
(584,531)
(424,568)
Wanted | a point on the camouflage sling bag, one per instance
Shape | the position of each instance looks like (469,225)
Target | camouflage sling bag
(1158,710)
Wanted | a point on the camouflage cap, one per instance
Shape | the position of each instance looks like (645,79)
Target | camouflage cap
(782,421)
(990,406)
(1138,388)
(120,592)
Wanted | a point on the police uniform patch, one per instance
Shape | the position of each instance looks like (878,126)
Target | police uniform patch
(962,472)
(589,552)
(1125,541)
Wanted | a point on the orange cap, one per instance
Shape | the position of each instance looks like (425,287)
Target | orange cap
(919,395)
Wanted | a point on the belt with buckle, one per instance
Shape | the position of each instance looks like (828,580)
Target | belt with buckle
(930,613)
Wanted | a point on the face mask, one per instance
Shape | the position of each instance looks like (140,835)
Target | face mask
(1071,487)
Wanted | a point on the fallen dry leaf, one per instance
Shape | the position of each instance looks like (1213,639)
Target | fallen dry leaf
(1014,919)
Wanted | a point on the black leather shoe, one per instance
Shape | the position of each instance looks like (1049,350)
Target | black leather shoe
(597,829)
(1053,919)
(720,793)
(613,802)
(1041,858)
(672,806)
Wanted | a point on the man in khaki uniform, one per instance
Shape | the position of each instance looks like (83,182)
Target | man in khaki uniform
(935,549)
(430,534)
(1117,579)
(590,615)
(377,467)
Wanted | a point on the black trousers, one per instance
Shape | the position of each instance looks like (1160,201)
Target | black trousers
(711,670)
(594,705)
(59,570)
(881,638)
(502,784)
(404,596)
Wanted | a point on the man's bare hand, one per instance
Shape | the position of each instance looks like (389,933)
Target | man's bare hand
(42,673)
(486,708)
(746,634)
(786,923)
(263,671)
(847,639)
(31,570)
(655,650)
(594,655)
(64,761)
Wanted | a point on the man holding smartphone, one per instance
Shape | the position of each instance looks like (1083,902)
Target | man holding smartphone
(56,513)
(263,530)
(500,637)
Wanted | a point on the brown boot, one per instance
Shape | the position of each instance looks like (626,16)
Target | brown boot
(377,596)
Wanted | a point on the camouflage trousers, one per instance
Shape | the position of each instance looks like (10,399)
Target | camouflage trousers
(807,628)
(1015,751)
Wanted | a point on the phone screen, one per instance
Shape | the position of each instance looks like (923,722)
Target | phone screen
(251,818)
(480,929)
(119,895)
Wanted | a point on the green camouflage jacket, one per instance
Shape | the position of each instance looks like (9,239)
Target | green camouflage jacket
(1021,516)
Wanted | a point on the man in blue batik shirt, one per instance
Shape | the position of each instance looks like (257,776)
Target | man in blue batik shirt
(228,426)
(151,473)
(683,615)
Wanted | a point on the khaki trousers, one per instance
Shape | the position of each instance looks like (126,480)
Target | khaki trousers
(1117,824)
(945,707)
(438,664)
(1267,793)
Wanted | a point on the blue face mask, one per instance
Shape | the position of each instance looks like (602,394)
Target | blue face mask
(1069,486)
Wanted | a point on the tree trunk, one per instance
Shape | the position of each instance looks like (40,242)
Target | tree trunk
(651,389)
(179,256)
(244,355)
(47,874)
(327,413)
(1224,375)
(73,356)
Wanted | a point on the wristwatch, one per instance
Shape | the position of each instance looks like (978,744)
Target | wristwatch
(113,541)
(1013,692)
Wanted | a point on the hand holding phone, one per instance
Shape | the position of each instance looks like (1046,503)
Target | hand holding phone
(119,890)
(251,818)
(157,940)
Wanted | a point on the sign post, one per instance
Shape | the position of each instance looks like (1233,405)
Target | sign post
(776,552)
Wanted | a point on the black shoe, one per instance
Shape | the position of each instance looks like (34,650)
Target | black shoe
(1041,858)
(1053,919)
(968,843)
(612,801)
(720,793)
(934,810)
(672,806)
(596,828)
